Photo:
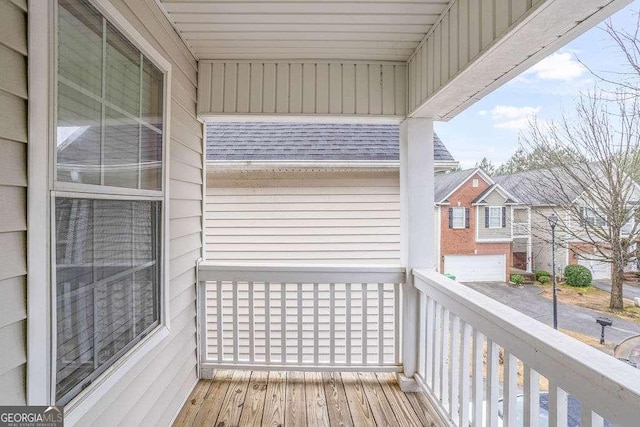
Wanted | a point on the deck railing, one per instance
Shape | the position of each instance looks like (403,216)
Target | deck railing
(472,347)
(299,317)
(521,228)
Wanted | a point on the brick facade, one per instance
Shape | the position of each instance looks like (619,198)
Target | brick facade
(462,241)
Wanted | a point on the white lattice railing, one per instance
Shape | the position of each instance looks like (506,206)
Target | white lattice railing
(480,361)
(521,229)
(317,317)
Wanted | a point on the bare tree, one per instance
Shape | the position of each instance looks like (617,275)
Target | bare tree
(594,196)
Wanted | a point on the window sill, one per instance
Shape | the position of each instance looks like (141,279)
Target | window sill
(85,401)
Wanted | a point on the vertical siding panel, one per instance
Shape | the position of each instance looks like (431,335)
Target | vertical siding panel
(295,88)
(487,22)
(388,90)
(401,89)
(453,39)
(257,90)
(375,89)
(230,87)
(463,33)
(412,84)
(424,78)
(362,89)
(348,88)
(282,88)
(204,82)
(335,88)
(217,87)
(418,58)
(308,88)
(474,28)
(503,15)
(518,8)
(430,66)
(322,88)
(445,49)
(437,58)
(269,88)
(244,87)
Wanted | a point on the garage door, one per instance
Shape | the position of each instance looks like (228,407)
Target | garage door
(476,268)
(599,270)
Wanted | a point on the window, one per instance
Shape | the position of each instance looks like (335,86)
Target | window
(109,199)
(594,217)
(495,217)
(458,217)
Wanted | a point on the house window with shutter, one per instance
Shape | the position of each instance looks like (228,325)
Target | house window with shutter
(495,217)
(108,196)
(458,217)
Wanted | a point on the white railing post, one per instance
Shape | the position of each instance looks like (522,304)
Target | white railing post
(417,230)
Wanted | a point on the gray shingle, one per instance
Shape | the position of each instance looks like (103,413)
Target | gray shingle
(308,141)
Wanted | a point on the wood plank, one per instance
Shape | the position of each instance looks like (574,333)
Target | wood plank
(357,400)
(317,411)
(402,409)
(196,399)
(423,409)
(378,403)
(210,408)
(253,407)
(296,411)
(232,406)
(337,404)
(274,404)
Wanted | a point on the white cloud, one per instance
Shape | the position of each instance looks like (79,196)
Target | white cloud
(557,66)
(511,117)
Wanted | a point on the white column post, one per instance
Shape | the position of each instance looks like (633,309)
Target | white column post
(417,230)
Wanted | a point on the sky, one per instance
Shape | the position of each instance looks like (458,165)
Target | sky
(490,127)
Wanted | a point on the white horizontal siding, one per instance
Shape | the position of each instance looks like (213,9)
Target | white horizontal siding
(13,207)
(312,217)
(302,87)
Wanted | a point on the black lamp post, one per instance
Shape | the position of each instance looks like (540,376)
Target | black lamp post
(553,221)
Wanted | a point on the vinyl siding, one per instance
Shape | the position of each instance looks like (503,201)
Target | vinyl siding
(13,194)
(312,217)
(541,241)
(484,233)
(154,390)
(302,87)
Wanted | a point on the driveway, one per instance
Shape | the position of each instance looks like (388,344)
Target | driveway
(528,300)
(628,290)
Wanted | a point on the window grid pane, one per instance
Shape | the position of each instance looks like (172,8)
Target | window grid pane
(458,217)
(495,217)
(123,88)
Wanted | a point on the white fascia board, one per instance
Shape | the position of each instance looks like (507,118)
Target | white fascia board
(298,118)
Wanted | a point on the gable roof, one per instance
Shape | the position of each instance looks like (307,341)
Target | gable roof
(480,199)
(255,141)
(447,183)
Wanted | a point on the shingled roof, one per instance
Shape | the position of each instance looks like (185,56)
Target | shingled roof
(308,141)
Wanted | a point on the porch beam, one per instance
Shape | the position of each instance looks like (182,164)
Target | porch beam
(417,229)
(478,45)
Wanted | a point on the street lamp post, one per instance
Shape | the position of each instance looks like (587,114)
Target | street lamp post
(553,221)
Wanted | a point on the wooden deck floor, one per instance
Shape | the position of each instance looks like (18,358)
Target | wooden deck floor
(244,398)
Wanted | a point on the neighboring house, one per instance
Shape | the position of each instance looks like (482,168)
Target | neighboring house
(480,228)
(305,193)
(544,198)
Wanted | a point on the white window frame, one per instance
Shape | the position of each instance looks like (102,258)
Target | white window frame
(594,218)
(453,217)
(42,106)
(493,209)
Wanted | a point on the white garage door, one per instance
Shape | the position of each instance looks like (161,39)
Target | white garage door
(599,270)
(476,268)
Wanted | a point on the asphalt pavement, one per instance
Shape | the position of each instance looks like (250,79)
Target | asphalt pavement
(527,299)
(628,290)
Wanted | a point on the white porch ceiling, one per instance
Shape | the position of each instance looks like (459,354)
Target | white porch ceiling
(303,29)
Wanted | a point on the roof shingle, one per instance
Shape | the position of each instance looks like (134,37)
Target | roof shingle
(308,141)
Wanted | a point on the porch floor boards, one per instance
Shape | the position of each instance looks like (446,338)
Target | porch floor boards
(254,398)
